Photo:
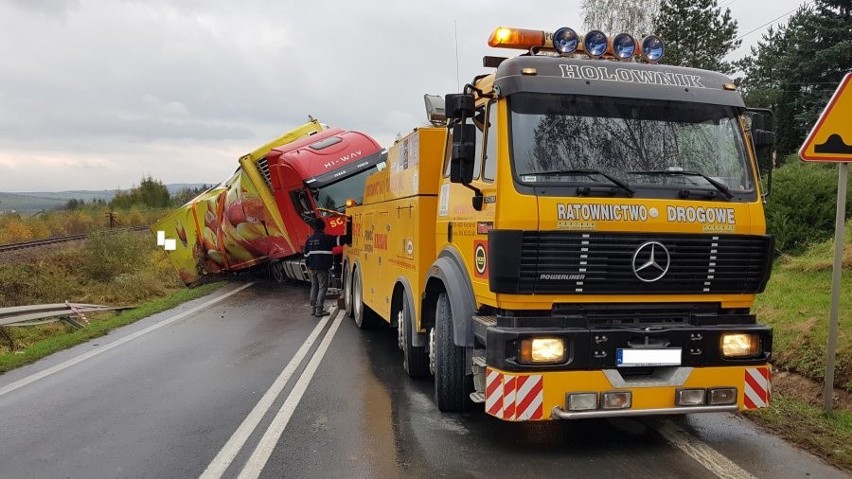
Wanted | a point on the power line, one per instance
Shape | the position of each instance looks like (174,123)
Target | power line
(727,4)
(770,21)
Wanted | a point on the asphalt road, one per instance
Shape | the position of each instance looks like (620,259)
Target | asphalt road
(250,385)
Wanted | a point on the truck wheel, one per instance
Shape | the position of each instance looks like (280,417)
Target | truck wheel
(277,270)
(452,385)
(347,291)
(364,316)
(415,360)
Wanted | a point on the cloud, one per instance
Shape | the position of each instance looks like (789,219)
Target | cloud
(181,89)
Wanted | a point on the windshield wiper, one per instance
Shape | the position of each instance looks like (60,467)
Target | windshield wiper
(620,184)
(717,184)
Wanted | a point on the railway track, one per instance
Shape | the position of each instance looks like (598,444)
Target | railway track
(61,239)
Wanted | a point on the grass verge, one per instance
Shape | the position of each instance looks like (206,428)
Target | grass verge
(796,304)
(99,325)
(827,436)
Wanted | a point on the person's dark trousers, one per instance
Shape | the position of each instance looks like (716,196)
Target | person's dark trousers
(319,286)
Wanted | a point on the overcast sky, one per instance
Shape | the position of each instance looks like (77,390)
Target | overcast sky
(96,94)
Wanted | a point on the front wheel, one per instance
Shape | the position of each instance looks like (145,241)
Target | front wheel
(452,385)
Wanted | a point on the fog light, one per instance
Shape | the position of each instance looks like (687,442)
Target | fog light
(740,345)
(542,351)
(582,401)
(616,400)
(721,396)
(690,397)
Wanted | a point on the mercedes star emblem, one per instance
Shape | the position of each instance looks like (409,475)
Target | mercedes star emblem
(651,261)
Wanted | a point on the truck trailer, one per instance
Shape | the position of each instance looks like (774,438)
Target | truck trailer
(580,234)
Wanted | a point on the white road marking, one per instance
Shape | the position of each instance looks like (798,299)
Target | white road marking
(130,337)
(708,457)
(229,451)
(260,456)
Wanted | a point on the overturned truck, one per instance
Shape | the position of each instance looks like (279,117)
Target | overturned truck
(261,215)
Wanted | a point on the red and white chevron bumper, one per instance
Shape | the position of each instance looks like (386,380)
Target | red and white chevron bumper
(514,397)
(757,388)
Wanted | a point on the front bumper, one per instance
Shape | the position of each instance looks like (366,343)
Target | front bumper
(523,396)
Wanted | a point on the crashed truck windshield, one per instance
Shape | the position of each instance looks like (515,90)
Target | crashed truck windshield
(652,148)
(334,196)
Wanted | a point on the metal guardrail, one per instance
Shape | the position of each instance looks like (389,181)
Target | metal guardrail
(62,239)
(72,313)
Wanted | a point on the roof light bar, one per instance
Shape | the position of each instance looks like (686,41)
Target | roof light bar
(566,41)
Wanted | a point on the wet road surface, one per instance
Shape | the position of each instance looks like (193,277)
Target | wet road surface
(217,392)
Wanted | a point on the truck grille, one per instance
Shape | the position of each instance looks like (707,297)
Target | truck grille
(593,263)
(263,166)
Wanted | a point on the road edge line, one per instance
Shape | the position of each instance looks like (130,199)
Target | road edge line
(712,460)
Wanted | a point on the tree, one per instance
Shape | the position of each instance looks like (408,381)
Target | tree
(186,195)
(150,193)
(796,67)
(74,203)
(635,17)
(697,33)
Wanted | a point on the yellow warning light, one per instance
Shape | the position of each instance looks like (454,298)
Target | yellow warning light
(505,37)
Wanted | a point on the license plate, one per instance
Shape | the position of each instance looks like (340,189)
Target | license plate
(648,357)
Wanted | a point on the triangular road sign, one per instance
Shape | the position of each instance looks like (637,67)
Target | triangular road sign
(831,137)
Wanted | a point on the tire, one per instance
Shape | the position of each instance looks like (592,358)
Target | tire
(277,272)
(364,317)
(347,291)
(452,385)
(415,360)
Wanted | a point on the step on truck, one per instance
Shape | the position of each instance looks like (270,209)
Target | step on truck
(580,234)
(261,215)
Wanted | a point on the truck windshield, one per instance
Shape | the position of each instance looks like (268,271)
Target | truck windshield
(334,196)
(647,144)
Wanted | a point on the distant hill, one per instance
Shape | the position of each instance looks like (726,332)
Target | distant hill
(28,202)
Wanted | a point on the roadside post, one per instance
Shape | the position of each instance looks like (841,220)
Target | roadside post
(830,140)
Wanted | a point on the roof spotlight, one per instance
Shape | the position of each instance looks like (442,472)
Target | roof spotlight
(566,40)
(652,48)
(623,46)
(595,43)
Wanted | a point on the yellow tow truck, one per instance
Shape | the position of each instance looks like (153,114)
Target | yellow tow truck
(579,234)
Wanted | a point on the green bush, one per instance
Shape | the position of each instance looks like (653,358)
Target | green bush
(44,280)
(801,208)
(109,255)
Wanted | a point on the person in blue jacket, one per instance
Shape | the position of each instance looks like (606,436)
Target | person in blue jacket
(318,259)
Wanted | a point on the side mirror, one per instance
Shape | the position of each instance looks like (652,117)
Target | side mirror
(763,139)
(459,105)
(435,112)
(463,152)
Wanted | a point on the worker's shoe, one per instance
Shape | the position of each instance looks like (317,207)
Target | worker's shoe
(321,312)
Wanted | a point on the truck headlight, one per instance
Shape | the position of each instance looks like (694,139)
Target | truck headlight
(542,351)
(740,345)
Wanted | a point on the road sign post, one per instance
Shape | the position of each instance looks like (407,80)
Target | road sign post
(827,142)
